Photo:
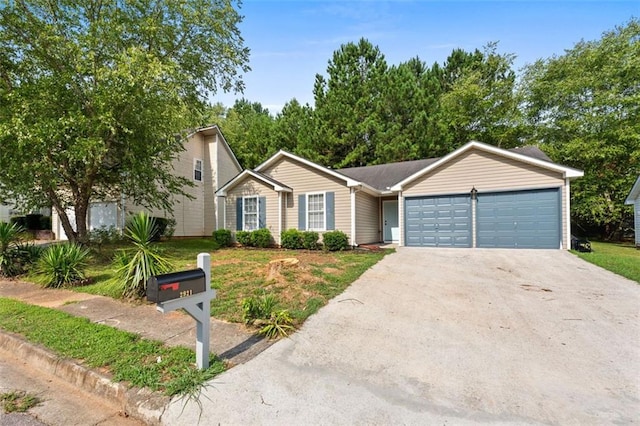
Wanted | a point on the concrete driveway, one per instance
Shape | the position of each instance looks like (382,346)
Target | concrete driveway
(452,336)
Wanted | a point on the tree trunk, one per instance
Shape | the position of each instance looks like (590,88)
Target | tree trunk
(81,208)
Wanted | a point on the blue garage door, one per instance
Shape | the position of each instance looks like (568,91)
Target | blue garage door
(522,219)
(443,221)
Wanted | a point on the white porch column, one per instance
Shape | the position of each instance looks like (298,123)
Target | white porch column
(401,218)
(353,217)
(567,206)
(279,237)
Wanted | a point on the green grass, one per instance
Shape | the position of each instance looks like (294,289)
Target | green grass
(622,259)
(18,401)
(320,276)
(129,358)
(239,273)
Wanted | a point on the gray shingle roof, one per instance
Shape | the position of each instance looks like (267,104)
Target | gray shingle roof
(384,176)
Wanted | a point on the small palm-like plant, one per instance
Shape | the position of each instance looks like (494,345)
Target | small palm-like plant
(262,312)
(279,324)
(8,239)
(62,264)
(135,266)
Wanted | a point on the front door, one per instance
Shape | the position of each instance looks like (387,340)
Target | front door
(390,221)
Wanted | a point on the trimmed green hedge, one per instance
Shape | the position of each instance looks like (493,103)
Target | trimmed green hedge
(335,240)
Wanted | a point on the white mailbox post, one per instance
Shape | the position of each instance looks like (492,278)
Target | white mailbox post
(197,305)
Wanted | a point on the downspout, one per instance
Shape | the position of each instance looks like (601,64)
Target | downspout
(123,213)
(224,211)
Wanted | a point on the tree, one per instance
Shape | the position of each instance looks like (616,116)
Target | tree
(410,99)
(93,95)
(295,130)
(248,127)
(479,100)
(584,106)
(347,105)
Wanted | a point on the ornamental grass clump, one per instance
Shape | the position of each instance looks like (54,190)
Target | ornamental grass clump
(134,266)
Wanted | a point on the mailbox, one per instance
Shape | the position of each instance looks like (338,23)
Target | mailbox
(161,288)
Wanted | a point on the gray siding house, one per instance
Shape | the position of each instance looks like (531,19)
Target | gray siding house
(634,199)
(477,196)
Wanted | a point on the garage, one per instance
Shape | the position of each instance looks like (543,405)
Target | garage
(519,219)
(440,221)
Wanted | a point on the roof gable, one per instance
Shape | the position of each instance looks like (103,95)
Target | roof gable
(268,180)
(215,130)
(525,155)
(634,194)
(349,182)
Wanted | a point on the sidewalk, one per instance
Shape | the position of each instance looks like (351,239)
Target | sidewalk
(231,342)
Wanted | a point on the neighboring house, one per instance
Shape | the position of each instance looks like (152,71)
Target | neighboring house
(207,160)
(477,196)
(7,211)
(634,198)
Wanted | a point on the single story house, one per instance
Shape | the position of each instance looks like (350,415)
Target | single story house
(634,198)
(476,196)
(207,160)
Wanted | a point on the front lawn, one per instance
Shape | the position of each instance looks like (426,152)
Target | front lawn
(127,356)
(622,259)
(239,273)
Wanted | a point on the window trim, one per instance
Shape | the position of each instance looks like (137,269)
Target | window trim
(195,169)
(324,211)
(257,213)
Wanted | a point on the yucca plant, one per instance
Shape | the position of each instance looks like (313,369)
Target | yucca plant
(9,234)
(135,266)
(279,324)
(261,312)
(62,264)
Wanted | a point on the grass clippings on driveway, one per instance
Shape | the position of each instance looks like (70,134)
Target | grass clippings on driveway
(622,259)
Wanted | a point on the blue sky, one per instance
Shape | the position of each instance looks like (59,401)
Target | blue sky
(292,41)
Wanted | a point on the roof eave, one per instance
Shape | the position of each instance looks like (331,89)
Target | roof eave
(634,193)
(567,172)
(275,157)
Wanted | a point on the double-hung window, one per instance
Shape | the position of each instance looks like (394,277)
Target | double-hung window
(250,213)
(316,212)
(197,170)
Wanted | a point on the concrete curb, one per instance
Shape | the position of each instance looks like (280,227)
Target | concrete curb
(141,404)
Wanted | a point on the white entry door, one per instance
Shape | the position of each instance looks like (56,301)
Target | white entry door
(391,225)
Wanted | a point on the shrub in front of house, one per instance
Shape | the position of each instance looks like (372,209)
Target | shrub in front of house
(222,237)
(335,240)
(261,238)
(62,264)
(244,238)
(310,240)
(291,239)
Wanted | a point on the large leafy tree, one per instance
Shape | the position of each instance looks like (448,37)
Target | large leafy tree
(584,106)
(93,94)
(248,127)
(478,100)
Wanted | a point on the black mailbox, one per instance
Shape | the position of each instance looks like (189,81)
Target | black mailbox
(175,285)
